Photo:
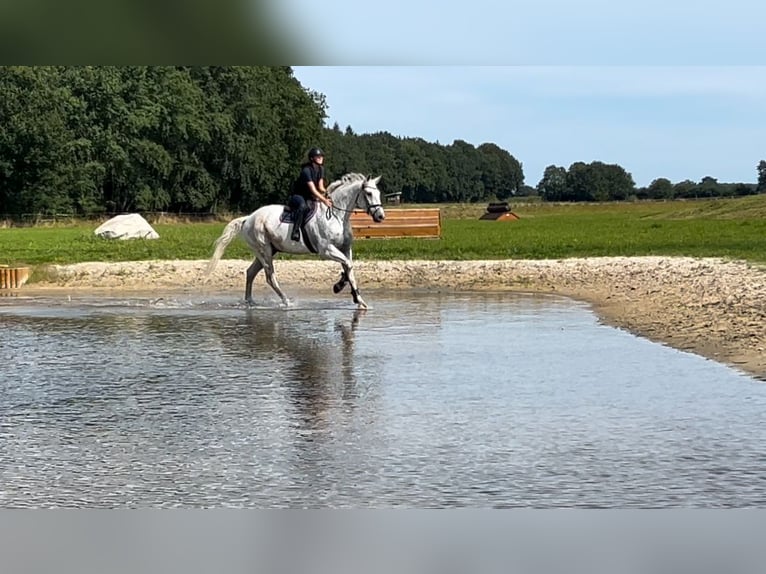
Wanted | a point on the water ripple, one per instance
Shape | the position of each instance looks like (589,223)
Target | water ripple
(480,400)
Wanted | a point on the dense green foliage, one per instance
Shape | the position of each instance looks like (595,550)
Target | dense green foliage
(426,172)
(732,228)
(93,140)
(88,141)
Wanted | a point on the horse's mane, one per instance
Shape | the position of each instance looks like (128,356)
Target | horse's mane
(344,180)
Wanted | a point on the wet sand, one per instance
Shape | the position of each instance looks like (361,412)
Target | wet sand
(711,307)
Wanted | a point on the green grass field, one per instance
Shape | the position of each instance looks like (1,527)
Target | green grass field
(731,228)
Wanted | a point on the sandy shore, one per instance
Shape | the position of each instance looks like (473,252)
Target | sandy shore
(711,307)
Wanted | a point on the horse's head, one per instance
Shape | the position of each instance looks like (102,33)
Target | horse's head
(369,199)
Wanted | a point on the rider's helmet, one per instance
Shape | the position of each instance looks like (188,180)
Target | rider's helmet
(315,152)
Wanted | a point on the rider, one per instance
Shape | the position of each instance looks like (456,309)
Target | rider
(310,185)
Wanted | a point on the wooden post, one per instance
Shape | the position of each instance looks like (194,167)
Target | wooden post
(13,277)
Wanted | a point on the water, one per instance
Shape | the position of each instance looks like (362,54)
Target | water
(425,400)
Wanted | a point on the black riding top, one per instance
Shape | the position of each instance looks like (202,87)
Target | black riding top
(309,172)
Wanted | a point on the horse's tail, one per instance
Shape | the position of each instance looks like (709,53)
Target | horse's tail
(231,230)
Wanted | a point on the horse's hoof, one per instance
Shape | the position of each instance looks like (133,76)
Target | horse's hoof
(250,302)
(362,305)
(337,288)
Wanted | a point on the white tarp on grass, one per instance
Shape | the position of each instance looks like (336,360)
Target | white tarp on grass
(129,226)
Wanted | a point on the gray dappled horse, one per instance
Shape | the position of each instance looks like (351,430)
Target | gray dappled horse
(326,232)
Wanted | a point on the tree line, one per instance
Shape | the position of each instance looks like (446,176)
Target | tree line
(90,140)
(208,139)
(95,140)
(597,181)
(424,172)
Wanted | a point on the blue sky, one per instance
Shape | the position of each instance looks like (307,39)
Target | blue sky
(674,122)
(664,88)
(526,32)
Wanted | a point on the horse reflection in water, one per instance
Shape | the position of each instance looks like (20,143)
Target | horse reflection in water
(320,363)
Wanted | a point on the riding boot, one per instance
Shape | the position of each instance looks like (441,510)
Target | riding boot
(297,224)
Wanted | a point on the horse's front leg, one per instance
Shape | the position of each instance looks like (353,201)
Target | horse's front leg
(349,271)
(338,287)
(351,277)
(348,274)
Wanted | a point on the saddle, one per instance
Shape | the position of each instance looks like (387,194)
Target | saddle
(288,217)
(287,213)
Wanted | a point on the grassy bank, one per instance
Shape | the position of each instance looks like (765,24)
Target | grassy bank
(731,228)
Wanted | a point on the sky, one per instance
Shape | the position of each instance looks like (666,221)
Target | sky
(664,88)
(673,122)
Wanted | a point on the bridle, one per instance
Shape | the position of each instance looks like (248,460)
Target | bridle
(370,206)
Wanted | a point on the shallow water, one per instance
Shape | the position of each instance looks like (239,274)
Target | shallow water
(425,400)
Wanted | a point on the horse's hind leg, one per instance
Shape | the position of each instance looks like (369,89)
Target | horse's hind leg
(252,271)
(271,279)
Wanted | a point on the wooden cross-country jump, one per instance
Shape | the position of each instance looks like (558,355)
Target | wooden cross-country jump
(424,222)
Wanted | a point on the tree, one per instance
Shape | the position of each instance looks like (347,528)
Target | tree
(660,188)
(580,182)
(44,166)
(553,185)
(708,187)
(761,187)
(598,181)
(502,174)
(618,184)
(262,123)
(685,189)
(419,170)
